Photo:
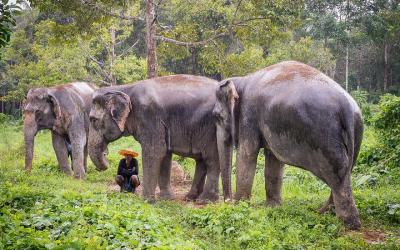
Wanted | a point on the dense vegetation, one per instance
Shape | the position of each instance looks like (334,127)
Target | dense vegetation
(50,210)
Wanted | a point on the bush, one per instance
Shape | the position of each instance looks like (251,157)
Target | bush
(9,120)
(384,156)
(361,97)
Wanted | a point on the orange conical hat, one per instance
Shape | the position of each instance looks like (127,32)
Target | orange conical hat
(128,151)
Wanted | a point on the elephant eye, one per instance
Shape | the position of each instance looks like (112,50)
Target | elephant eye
(95,122)
(92,119)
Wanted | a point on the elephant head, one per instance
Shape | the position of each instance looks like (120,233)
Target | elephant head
(225,116)
(107,123)
(41,111)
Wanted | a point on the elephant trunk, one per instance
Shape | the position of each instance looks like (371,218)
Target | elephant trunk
(225,149)
(97,148)
(30,130)
(226,141)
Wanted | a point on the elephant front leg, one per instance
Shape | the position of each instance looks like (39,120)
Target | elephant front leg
(164,180)
(246,162)
(78,142)
(61,152)
(198,181)
(152,160)
(273,173)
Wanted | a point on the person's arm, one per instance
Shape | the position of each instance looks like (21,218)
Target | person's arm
(121,167)
(135,166)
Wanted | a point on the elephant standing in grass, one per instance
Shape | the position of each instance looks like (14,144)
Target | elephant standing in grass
(300,117)
(166,115)
(64,110)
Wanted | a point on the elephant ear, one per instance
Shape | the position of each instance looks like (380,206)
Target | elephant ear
(56,107)
(119,105)
(227,92)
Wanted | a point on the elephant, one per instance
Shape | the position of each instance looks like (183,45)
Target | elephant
(170,114)
(300,117)
(63,109)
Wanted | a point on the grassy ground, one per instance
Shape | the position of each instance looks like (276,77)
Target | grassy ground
(50,210)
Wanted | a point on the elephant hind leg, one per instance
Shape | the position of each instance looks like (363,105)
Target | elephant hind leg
(211,188)
(273,173)
(198,181)
(327,206)
(341,193)
(164,180)
(61,153)
(345,207)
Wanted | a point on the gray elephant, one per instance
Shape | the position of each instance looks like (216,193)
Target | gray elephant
(300,117)
(64,110)
(166,115)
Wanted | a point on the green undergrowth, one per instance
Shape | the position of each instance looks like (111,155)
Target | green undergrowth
(48,210)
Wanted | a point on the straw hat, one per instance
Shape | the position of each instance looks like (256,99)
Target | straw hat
(129,151)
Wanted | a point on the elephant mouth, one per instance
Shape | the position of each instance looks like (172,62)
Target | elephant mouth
(103,162)
(98,151)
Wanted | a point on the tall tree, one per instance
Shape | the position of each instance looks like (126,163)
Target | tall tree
(151,43)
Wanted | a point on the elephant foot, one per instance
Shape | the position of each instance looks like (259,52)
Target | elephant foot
(150,200)
(242,197)
(273,203)
(149,197)
(206,198)
(191,196)
(67,171)
(352,223)
(80,177)
(166,195)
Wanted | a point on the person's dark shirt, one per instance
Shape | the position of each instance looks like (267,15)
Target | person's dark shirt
(125,171)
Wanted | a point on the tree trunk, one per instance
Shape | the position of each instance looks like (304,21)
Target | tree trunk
(385,71)
(151,39)
(347,67)
(113,79)
(194,60)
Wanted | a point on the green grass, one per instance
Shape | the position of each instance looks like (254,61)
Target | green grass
(47,209)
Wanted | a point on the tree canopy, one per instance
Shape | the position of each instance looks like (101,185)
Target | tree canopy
(107,42)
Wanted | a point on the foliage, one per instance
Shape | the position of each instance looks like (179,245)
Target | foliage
(383,156)
(36,57)
(47,209)
(7,20)
(361,97)
(304,50)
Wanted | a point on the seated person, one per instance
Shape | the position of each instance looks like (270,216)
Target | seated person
(127,176)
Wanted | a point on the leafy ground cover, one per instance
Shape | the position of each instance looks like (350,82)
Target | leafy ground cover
(47,209)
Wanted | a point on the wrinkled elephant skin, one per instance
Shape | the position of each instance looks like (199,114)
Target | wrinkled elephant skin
(64,110)
(300,117)
(166,115)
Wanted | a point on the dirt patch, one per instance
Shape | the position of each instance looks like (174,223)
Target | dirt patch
(180,183)
(370,236)
(374,237)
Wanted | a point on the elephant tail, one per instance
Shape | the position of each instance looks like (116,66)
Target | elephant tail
(358,135)
(352,132)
